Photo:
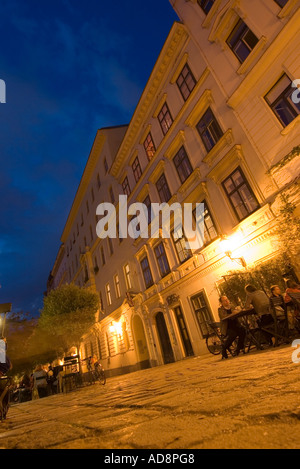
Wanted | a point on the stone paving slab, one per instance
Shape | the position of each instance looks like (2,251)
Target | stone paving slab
(248,402)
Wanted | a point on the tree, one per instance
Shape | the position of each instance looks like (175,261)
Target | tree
(288,230)
(68,313)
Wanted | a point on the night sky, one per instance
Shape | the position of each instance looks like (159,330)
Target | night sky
(70,68)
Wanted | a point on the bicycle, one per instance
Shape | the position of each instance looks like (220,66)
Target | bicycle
(215,340)
(99,374)
(95,374)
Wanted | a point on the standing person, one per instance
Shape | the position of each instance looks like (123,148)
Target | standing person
(50,380)
(259,300)
(230,328)
(40,381)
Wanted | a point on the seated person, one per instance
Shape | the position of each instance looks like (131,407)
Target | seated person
(293,308)
(230,328)
(276,293)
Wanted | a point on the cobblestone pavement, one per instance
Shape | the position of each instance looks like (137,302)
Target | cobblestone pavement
(248,402)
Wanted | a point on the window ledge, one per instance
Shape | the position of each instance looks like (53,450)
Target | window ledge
(225,141)
(191,180)
(206,23)
(252,56)
(291,126)
(286,10)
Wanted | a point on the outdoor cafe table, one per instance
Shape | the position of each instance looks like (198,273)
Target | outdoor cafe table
(244,314)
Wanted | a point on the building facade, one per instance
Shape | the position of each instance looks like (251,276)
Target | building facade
(218,123)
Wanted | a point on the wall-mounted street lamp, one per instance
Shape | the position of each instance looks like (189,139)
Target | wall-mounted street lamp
(227,246)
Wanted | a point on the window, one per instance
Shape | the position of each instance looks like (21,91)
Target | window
(162,260)
(202,313)
(82,221)
(87,207)
(165,119)
(101,301)
(281,3)
(186,82)
(163,189)
(149,147)
(98,181)
(77,229)
(182,165)
(240,194)
(128,276)
(206,5)
(93,195)
(209,130)
(108,294)
(126,187)
(242,41)
(102,255)
(137,171)
(280,101)
(147,272)
(91,233)
(96,267)
(210,230)
(105,165)
(110,245)
(180,245)
(147,202)
(117,286)
(112,196)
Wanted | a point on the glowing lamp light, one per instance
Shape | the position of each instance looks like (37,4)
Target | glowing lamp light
(116,328)
(228,245)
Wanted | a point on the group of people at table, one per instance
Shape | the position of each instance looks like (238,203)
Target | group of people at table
(259,302)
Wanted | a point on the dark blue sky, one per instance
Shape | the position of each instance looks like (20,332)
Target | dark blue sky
(70,67)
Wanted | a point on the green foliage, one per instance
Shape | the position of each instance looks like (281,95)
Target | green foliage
(263,277)
(68,313)
(288,230)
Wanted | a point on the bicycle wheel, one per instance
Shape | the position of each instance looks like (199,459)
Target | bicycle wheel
(102,377)
(214,344)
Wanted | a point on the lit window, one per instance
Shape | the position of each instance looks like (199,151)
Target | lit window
(117,286)
(149,147)
(108,294)
(128,276)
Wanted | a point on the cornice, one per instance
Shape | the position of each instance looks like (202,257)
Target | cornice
(284,38)
(175,41)
(84,183)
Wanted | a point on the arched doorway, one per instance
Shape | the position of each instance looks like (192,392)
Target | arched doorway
(140,342)
(164,339)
